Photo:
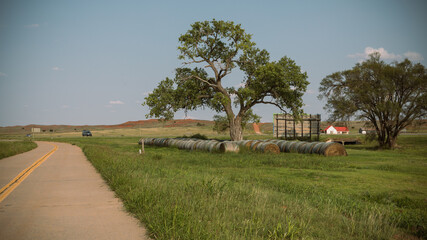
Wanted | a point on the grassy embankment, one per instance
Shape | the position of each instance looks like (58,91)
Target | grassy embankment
(179,194)
(10,148)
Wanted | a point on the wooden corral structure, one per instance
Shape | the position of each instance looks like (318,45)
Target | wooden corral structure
(287,127)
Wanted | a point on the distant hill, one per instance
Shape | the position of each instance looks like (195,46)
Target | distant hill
(150,123)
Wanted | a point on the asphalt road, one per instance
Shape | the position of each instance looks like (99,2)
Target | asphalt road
(63,198)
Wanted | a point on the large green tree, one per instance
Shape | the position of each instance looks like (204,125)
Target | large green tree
(389,96)
(221,47)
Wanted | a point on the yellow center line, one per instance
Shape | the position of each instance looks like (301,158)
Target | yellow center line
(6,190)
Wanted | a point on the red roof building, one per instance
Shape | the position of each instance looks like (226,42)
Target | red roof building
(336,130)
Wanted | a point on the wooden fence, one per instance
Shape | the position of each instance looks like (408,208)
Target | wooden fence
(287,127)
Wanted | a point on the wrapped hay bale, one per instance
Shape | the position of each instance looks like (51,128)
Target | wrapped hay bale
(229,146)
(173,143)
(149,141)
(246,143)
(196,143)
(254,144)
(189,145)
(267,147)
(214,146)
(281,144)
(201,146)
(294,147)
(316,148)
(308,147)
(301,146)
(333,149)
(288,146)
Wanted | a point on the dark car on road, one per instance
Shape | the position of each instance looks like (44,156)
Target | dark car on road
(86,133)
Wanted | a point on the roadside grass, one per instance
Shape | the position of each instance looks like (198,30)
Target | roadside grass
(13,147)
(179,194)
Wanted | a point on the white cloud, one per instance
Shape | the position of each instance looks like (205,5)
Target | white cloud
(146,93)
(385,55)
(413,56)
(311,91)
(116,102)
(2,74)
(65,107)
(369,50)
(34,25)
(57,69)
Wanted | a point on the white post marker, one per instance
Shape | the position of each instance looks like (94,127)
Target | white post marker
(142,150)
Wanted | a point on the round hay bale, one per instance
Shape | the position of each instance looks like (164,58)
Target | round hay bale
(181,144)
(333,149)
(294,147)
(209,145)
(150,141)
(308,147)
(189,145)
(213,146)
(201,146)
(301,147)
(248,144)
(282,145)
(266,147)
(324,146)
(288,146)
(316,148)
(254,144)
(195,144)
(165,142)
(205,145)
(173,143)
(243,143)
(229,146)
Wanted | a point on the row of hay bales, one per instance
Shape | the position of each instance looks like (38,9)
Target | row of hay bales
(275,146)
(264,146)
(193,144)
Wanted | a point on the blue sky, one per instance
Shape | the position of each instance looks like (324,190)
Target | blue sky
(94,62)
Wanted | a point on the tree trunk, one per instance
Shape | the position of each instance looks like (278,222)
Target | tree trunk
(388,140)
(392,142)
(236,131)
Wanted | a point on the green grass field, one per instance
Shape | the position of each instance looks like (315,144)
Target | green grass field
(10,148)
(180,194)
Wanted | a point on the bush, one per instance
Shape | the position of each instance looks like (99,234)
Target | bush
(370,137)
(199,136)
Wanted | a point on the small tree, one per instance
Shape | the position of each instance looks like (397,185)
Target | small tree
(222,46)
(389,96)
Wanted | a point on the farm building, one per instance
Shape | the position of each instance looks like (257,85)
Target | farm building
(287,127)
(366,130)
(336,130)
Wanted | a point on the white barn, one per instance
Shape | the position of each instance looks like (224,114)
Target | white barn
(336,130)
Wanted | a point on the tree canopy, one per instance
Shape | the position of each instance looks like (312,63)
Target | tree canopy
(222,46)
(389,96)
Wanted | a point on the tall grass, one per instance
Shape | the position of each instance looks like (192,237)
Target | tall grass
(197,195)
(10,148)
